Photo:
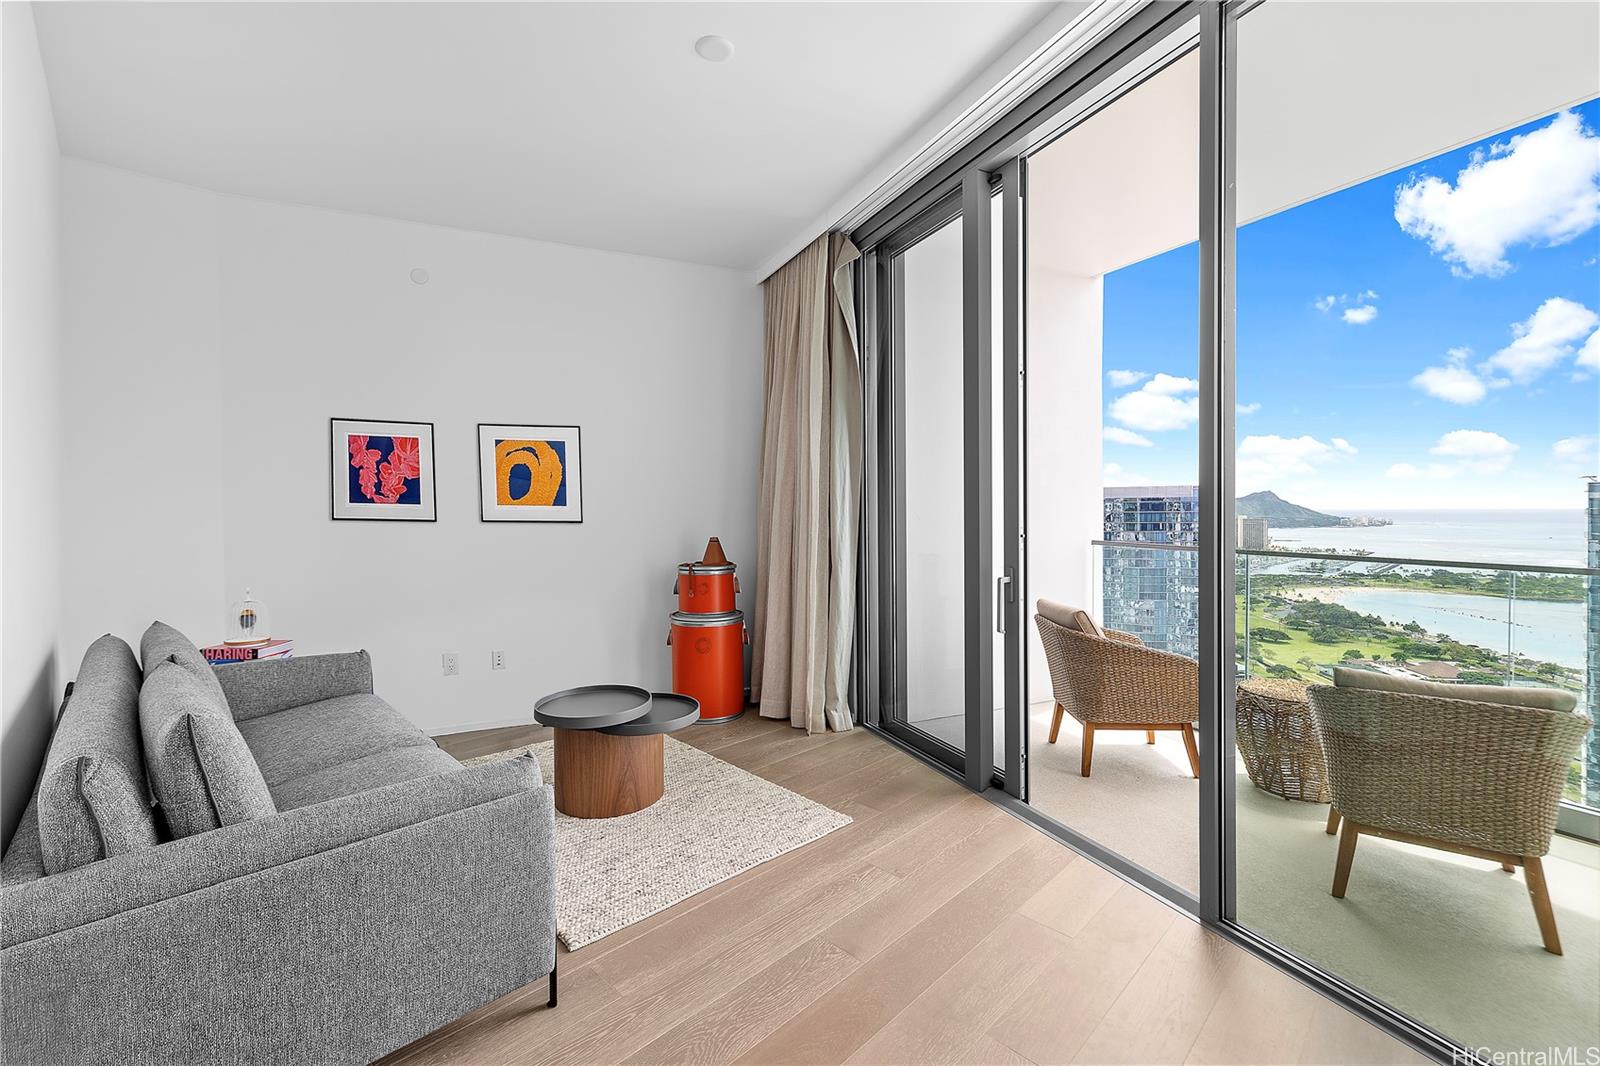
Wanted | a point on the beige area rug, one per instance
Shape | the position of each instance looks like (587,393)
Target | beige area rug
(714,821)
(1449,940)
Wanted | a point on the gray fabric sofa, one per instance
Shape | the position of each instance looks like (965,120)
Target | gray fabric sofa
(375,892)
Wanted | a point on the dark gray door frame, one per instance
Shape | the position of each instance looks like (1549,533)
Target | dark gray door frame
(978,474)
(1013,499)
(1216,464)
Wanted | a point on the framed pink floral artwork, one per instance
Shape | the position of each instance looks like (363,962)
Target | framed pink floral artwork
(382,470)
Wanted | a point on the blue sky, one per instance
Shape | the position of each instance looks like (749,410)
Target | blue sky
(1417,340)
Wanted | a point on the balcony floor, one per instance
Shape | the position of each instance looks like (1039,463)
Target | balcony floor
(1447,939)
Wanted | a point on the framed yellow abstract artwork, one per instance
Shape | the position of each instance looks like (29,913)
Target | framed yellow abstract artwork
(530,473)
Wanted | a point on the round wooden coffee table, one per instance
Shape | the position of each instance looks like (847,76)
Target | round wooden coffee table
(610,757)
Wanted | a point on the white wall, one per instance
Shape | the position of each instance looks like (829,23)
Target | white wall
(30,466)
(1065,498)
(315,317)
(142,380)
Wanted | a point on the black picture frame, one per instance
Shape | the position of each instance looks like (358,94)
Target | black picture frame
(338,453)
(574,509)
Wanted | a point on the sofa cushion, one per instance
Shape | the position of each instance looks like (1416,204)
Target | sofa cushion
(203,772)
(359,775)
(1549,699)
(304,740)
(93,799)
(24,857)
(162,644)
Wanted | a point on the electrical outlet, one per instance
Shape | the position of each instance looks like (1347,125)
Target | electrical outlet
(497,660)
(452,664)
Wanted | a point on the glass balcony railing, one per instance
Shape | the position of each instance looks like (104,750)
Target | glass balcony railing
(1300,614)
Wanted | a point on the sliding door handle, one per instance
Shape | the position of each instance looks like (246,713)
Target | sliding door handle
(1002,596)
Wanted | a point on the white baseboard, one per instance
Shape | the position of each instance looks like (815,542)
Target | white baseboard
(470,727)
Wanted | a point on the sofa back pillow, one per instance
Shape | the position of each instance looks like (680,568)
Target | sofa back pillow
(1548,699)
(162,644)
(93,800)
(203,772)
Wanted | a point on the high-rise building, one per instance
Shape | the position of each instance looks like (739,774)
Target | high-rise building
(1154,592)
(1591,689)
(1252,534)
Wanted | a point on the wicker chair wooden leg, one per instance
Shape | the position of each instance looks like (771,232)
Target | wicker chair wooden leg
(1088,747)
(1189,744)
(1539,892)
(1347,854)
(1149,736)
(1055,722)
(1333,820)
(1508,868)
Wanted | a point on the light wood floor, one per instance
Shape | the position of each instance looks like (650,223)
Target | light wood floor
(935,928)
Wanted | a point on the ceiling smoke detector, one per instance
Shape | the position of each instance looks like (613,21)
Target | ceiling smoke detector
(713,49)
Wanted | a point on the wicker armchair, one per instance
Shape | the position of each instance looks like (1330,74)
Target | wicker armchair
(1479,779)
(1115,682)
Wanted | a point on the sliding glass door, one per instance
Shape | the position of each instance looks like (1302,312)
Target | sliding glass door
(1418,335)
(948,552)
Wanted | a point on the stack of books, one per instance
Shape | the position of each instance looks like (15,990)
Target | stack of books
(218,654)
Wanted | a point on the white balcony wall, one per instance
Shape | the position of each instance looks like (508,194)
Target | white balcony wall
(1064,447)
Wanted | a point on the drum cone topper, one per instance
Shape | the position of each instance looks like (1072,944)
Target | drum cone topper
(708,636)
(708,586)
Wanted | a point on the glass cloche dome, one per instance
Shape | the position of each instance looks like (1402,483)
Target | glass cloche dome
(248,622)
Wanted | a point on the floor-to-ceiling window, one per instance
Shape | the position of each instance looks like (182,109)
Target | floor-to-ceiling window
(1311,390)
(1418,347)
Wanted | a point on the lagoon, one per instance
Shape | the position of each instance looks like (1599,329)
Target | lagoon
(1547,632)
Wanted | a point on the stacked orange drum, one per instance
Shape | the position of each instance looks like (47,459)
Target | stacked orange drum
(708,636)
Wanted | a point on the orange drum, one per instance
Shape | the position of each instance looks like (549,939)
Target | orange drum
(708,661)
(706,589)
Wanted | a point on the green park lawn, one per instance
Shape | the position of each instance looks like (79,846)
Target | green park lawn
(1300,645)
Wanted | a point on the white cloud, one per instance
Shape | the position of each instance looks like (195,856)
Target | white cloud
(1162,403)
(1454,384)
(1477,450)
(1263,460)
(1577,452)
(1168,385)
(1116,475)
(1247,408)
(1118,435)
(1543,339)
(1542,187)
(1343,445)
(1459,354)
(1358,315)
(1432,472)
(1123,378)
(1589,354)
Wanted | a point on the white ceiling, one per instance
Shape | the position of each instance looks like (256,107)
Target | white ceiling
(1124,185)
(589,124)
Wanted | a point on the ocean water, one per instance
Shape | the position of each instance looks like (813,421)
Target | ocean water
(1547,538)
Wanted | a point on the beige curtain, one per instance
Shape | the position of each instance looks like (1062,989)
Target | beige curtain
(810,496)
